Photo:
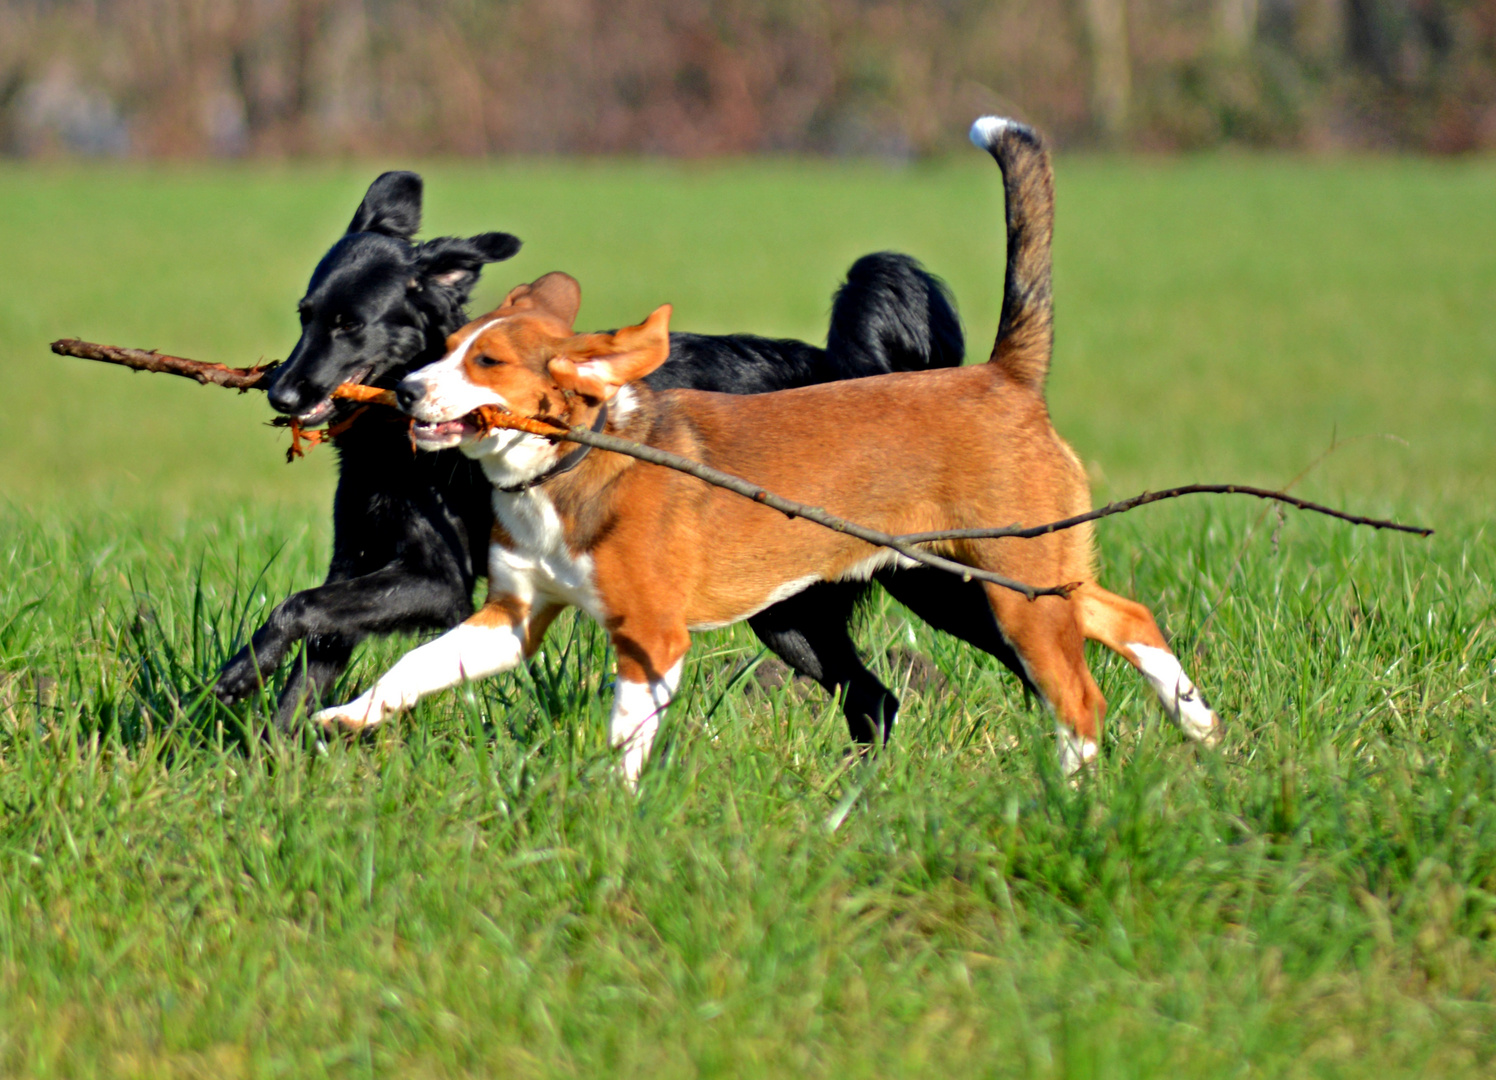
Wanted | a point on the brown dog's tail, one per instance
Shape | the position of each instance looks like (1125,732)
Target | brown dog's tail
(1025,333)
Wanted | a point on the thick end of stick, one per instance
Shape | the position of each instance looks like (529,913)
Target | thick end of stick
(492,418)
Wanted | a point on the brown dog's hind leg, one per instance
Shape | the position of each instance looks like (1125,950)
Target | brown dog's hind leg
(1048,641)
(1127,628)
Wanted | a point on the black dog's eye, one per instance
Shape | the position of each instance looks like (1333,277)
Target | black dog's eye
(341,324)
(304,313)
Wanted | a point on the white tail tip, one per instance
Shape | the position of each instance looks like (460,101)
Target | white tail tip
(986,130)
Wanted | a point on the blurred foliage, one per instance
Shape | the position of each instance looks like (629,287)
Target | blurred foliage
(890,78)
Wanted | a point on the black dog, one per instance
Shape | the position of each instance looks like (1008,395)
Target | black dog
(406,525)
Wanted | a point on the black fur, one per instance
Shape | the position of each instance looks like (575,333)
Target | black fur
(378,305)
(410,530)
(404,525)
(892,316)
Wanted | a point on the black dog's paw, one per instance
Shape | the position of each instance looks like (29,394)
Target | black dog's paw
(239,678)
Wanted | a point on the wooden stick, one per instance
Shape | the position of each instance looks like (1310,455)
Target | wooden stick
(242,378)
(250,378)
(1123,505)
(490,418)
(369,395)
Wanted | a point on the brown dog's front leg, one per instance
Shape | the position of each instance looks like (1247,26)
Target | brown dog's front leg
(649,668)
(494,639)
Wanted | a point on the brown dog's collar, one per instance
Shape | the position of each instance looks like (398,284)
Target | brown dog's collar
(566,464)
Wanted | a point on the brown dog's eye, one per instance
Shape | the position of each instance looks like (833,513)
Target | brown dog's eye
(484,360)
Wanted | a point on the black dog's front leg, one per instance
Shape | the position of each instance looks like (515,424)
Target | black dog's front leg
(324,658)
(388,600)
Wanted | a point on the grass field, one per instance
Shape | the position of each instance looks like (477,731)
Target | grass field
(473,894)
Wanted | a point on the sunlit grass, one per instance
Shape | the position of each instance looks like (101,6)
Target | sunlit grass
(472,891)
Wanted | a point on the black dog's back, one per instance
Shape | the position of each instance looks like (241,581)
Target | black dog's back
(891,314)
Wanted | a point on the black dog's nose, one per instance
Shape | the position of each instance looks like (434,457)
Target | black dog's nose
(407,395)
(285,396)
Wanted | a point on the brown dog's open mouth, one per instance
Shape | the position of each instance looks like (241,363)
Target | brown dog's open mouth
(446,433)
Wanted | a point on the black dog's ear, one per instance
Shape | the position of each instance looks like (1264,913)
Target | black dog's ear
(455,262)
(496,246)
(391,206)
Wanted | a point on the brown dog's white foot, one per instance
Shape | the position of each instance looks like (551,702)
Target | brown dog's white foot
(1076,751)
(636,719)
(1180,697)
(358,715)
(1209,737)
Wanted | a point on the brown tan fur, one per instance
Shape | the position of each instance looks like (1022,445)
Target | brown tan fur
(905,453)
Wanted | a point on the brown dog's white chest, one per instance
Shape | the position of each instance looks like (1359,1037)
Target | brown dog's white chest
(530,558)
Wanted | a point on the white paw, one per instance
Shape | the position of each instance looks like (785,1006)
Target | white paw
(1181,698)
(1076,751)
(632,763)
(358,714)
(1198,720)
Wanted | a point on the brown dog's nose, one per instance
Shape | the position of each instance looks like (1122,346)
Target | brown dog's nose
(407,394)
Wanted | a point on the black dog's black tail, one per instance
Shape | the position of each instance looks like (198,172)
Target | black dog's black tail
(1025,331)
(891,314)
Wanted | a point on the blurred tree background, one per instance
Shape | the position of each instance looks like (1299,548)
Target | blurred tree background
(196,78)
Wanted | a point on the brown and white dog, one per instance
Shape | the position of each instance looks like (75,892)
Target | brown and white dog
(654,554)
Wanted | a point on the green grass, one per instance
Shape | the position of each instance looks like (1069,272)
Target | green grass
(472,893)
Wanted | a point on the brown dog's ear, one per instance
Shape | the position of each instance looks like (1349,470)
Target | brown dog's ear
(556,294)
(596,365)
